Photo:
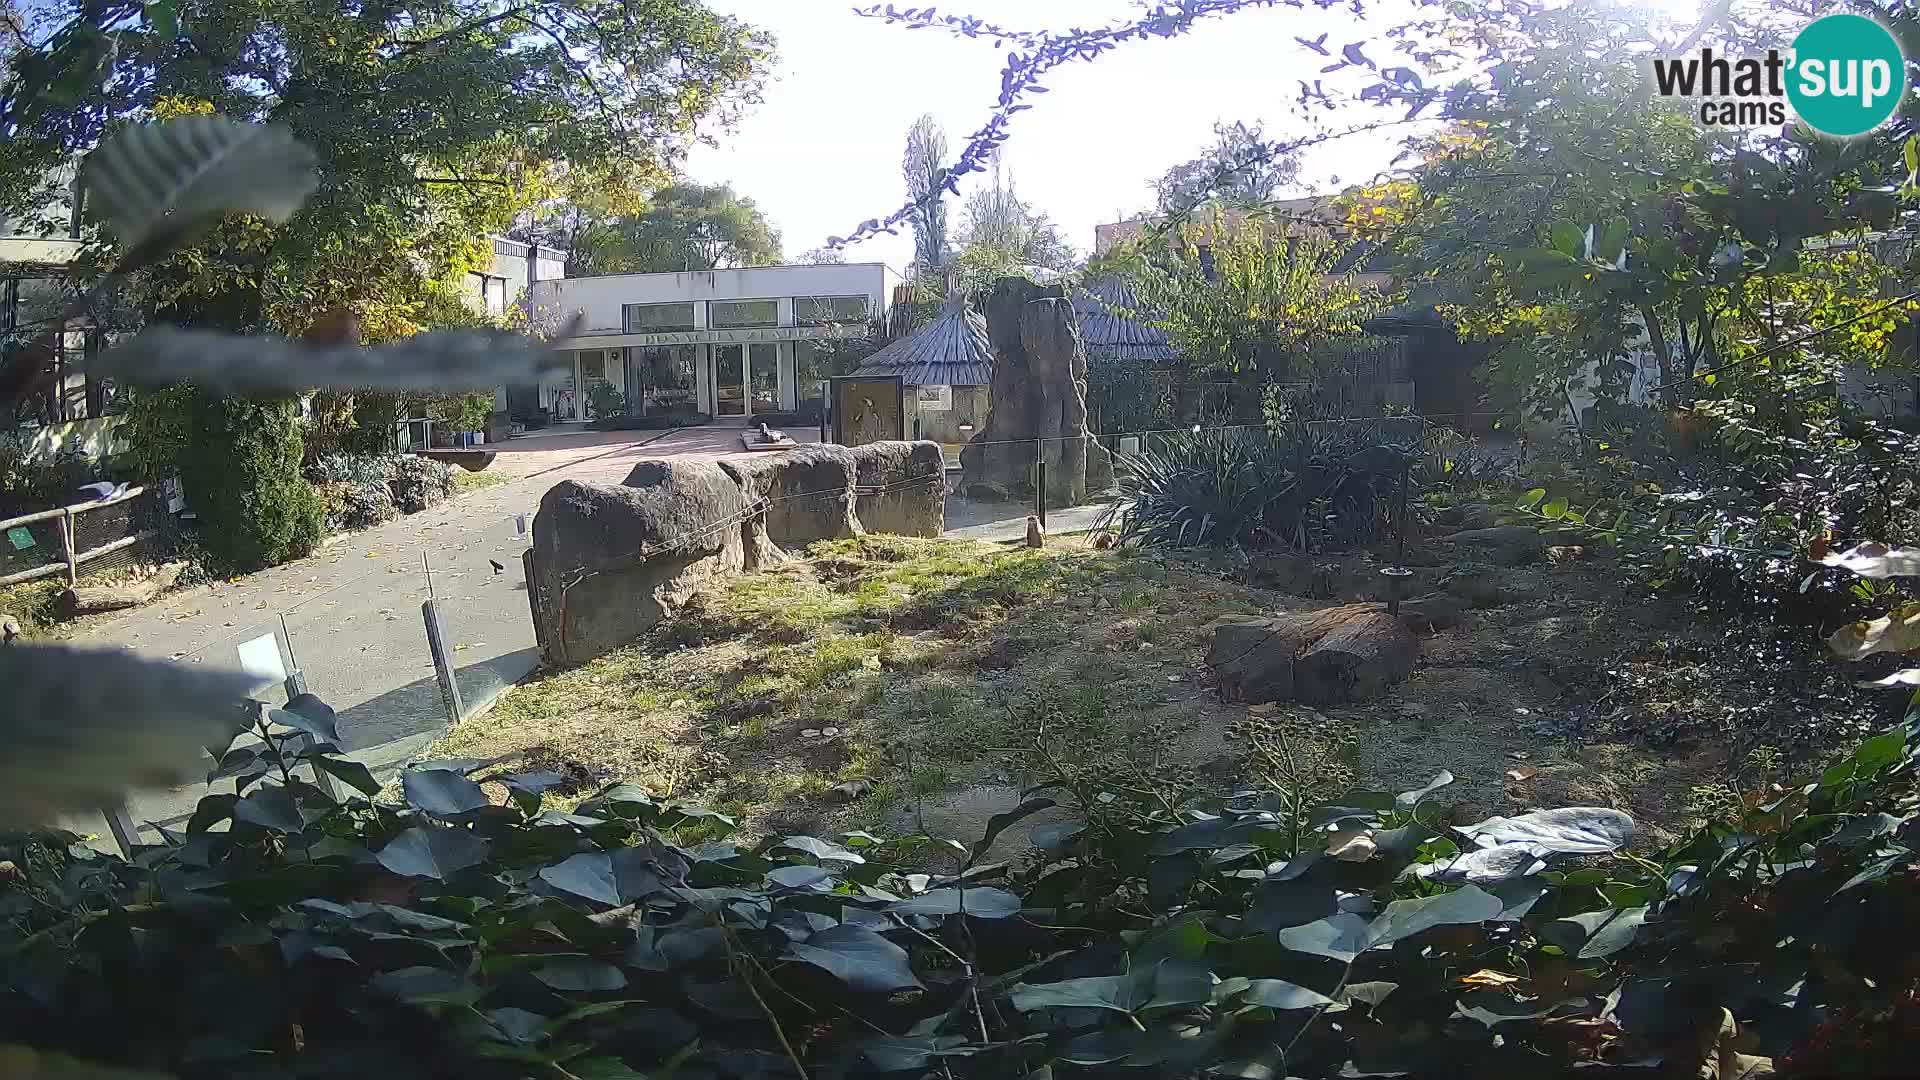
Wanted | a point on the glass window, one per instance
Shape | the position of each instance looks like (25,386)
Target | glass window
(658,318)
(820,310)
(765,362)
(728,314)
(661,378)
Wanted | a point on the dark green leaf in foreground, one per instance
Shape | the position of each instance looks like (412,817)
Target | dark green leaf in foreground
(160,183)
(79,728)
(309,714)
(431,852)
(860,957)
(441,792)
(984,902)
(445,360)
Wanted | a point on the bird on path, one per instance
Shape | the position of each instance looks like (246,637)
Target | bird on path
(498,567)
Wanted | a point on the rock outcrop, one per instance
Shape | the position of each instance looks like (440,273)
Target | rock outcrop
(609,562)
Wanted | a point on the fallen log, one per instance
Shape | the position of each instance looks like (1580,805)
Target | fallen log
(97,599)
(1349,653)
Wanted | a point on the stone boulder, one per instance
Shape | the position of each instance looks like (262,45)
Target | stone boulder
(902,488)
(610,562)
(808,492)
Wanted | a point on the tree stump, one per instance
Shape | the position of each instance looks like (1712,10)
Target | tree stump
(1351,653)
(1038,399)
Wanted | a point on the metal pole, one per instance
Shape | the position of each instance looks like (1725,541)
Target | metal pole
(125,833)
(1040,484)
(67,548)
(442,663)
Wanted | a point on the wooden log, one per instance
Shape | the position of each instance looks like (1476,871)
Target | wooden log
(1353,653)
(95,599)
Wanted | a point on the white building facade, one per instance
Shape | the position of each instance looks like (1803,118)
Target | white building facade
(732,344)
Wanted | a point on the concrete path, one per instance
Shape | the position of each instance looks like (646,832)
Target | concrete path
(1014,526)
(352,614)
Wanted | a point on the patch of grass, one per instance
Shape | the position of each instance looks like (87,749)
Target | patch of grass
(464,481)
(34,605)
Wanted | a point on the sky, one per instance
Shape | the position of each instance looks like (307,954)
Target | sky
(822,153)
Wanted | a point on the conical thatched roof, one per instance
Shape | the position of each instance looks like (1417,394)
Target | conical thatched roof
(1112,336)
(952,350)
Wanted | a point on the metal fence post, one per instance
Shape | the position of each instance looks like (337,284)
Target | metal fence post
(1040,484)
(67,549)
(442,663)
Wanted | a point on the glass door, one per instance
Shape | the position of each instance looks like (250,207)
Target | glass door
(766,377)
(730,380)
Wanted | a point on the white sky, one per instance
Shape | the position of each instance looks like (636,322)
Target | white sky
(822,153)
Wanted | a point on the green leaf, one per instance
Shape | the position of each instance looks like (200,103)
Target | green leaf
(354,773)
(431,852)
(1531,499)
(441,792)
(161,183)
(164,17)
(1879,752)
(1567,238)
(859,957)
(426,986)
(309,714)
(580,973)
(1339,937)
(603,1068)
(982,902)
(999,823)
(271,807)
(1405,918)
(1554,510)
(1164,985)
(1283,996)
(1595,934)
(1911,153)
(79,728)
(824,850)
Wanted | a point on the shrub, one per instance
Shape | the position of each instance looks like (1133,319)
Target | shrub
(419,482)
(1238,487)
(605,399)
(241,471)
(463,412)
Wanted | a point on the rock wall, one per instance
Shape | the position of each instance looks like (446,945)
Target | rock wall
(1039,392)
(609,562)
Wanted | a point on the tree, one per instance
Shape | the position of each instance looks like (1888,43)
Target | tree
(1001,234)
(685,227)
(1259,300)
(435,123)
(822,256)
(1241,168)
(925,168)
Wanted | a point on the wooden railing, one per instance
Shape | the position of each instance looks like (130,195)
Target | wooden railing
(71,560)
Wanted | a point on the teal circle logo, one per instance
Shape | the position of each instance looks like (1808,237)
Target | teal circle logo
(1847,75)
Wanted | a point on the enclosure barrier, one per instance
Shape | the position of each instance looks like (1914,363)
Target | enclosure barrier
(63,517)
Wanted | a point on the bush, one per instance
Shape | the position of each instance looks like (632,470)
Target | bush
(28,486)
(1173,933)
(1237,487)
(463,412)
(419,482)
(241,472)
(605,399)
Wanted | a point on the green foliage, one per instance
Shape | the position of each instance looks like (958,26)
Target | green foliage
(419,482)
(605,399)
(465,412)
(241,471)
(1264,298)
(1241,168)
(684,227)
(1001,235)
(924,167)
(1300,488)
(1126,397)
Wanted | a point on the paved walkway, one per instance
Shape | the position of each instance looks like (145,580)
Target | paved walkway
(351,611)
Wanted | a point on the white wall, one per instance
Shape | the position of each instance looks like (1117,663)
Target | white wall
(601,298)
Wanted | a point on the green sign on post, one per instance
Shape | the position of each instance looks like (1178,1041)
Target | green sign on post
(20,537)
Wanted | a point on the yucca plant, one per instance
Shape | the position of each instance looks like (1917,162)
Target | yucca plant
(1203,487)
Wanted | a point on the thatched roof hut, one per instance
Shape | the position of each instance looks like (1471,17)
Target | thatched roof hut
(1110,335)
(952,350)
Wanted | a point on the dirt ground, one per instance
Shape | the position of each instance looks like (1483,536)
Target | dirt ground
(896,684)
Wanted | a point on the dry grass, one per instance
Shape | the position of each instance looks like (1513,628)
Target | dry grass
(953,674)
(464,481)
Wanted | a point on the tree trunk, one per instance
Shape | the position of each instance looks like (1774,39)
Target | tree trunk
(1657,339)
(95,599)
(1350,653)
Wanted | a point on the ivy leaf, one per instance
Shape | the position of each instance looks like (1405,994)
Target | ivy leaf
(79,728)
(859,957)
(580,973)
(824,850)
(1341,937)
(984,902)
(431,852)
(159,184)
(426,986)
(1595,934)
(349,770)
(441,792)
(271,807)
(1283,996)
(1405,918)
(798,876)
(588,874)
(309,714)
